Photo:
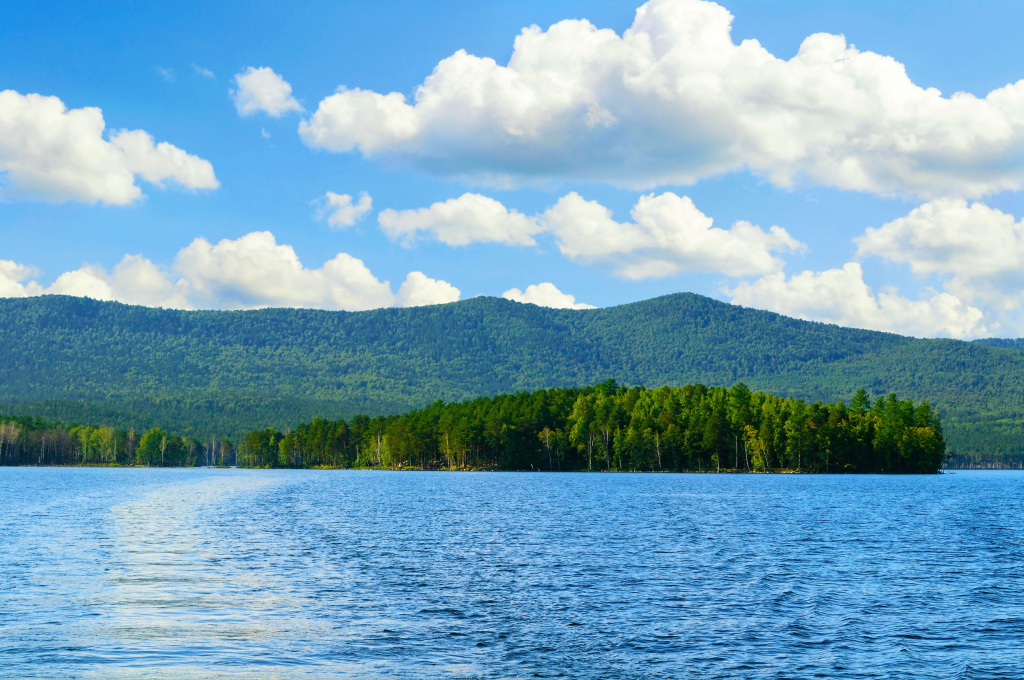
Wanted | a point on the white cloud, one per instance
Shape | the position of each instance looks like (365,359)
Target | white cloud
(53,153)
(341,212)
(972,243)
(204,72)
(976,251)
(674,99)
(470,218)
(360,119)
(419,289)
(14,280)
(842,297)
(135,280)
(245,273)
(166,73)
(668,235)
(255,271)
(545,295)
(158,162)
(260,89)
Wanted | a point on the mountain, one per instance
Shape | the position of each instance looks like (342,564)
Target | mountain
(213,372)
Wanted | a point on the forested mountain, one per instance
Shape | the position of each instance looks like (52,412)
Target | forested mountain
(225,373)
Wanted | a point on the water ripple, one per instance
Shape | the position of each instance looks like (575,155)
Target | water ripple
(217,573)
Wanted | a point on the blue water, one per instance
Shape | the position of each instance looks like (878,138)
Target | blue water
(209,573)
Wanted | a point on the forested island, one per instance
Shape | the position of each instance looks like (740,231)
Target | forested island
(605,427)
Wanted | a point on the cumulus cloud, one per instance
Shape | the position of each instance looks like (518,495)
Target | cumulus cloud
(674,99)
(668,234)
(14,280)
(256,271)
(135,280)
(260,89)
(470,218)
(53,153)
(341,212)
(248,272)
(156,163)
(418,289)
(360,119)
(977,252)
(842,297)
(545,295)
(980,248)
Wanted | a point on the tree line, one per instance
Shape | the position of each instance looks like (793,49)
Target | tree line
(605,427)
(615,428)
(26,440)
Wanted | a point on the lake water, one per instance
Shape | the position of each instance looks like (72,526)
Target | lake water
(236,573)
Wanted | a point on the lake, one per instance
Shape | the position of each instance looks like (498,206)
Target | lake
(236,573)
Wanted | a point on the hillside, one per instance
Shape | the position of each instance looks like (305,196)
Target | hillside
(229,372)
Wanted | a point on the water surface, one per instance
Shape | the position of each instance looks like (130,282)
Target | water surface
(238,573)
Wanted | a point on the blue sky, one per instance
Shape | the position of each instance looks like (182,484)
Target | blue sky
(712,133)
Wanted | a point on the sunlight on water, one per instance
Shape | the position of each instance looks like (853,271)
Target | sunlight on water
(206,573)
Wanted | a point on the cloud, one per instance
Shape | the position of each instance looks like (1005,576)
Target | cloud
(545,295)
(166,73)
(976,251)
(255,271)
(470,218)
(977,246)
(156,163)
(842,297)
(14,280)
(260,89)
(135,280)
(340,212)
(204,72)
(52,153)
(244,273)
(361,119)
(418,289)
(673,100)
(668,235)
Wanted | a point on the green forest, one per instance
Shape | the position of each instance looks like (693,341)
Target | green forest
(684,429)
(222,374)
(600,428)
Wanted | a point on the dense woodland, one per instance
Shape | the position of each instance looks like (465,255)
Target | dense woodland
(26,440)
(206,374)
(606,427)
(692,428)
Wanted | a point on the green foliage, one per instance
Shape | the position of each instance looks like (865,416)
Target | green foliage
(223,374)
(26,440)
(608,427)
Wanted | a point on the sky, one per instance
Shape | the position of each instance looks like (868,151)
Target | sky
(854,163)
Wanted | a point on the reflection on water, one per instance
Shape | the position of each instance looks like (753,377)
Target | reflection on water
(171,573)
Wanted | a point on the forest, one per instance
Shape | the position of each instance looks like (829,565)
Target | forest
(611,428)
(27,440)
(605,427)
(222,374)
